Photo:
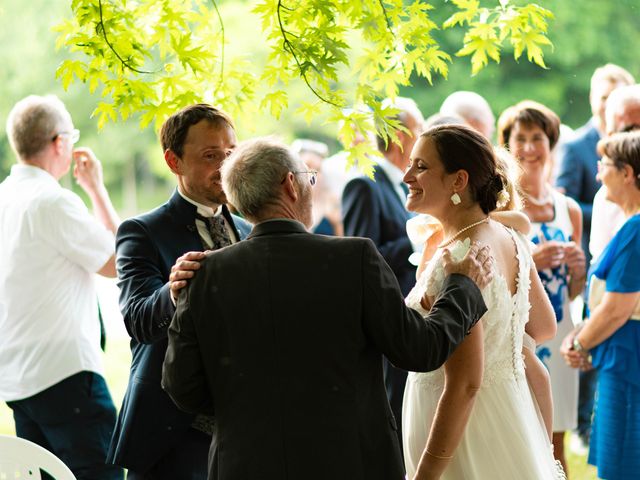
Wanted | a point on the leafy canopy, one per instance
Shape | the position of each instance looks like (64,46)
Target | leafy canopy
(153,57)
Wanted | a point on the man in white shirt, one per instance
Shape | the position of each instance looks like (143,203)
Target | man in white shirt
(50,359)
(622,115)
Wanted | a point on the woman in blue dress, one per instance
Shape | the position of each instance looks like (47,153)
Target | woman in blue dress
(610,339)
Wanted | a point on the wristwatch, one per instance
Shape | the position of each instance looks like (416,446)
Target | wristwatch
(577,346)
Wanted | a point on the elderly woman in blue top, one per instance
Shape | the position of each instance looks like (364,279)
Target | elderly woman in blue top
(610,339)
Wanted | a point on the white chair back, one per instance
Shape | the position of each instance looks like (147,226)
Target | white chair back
(22,459)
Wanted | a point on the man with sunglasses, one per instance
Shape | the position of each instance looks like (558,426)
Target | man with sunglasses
(153,439)
(51,371)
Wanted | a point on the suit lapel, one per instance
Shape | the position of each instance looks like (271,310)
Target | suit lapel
(183,214)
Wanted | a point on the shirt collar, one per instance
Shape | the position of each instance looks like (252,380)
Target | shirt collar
(394,173)
(202,209)
(22,170)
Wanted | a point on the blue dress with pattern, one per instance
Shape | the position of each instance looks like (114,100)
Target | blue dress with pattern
(564,379)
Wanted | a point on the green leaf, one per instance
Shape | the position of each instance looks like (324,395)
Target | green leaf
(276,102)
(105,112)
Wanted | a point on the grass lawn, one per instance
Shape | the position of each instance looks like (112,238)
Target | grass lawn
(117,360)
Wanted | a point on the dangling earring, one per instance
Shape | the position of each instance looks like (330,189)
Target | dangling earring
(455,199)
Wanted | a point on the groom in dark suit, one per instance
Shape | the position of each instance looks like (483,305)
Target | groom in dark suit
(374,208)
(153,439)
(282,336)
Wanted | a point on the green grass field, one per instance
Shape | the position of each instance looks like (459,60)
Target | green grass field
(117,360)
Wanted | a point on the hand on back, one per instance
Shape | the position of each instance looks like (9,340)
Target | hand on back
(477,264)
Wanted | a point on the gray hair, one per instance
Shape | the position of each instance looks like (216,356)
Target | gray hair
(407,108)
(33,122)
(619,100)
(303,145)
(252,175)
(611,73)
(469,106)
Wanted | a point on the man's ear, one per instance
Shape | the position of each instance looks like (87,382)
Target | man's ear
(172,161)
(290,186)
(58,145)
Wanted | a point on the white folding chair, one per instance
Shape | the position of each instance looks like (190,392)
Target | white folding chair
(22,459)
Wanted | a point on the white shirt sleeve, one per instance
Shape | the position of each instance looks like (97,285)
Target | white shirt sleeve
(606,220)
(65,223)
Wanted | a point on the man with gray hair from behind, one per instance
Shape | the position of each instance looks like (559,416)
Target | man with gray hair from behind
(622,114)
(284,334)
(51,372)
(473,109)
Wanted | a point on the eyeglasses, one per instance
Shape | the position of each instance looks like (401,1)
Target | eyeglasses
(630,128)
(74,135)
(313,176)
(602,164)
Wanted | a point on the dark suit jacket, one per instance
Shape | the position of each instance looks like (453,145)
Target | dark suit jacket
(284,333)
(372,209)
(578,169)
(147,246)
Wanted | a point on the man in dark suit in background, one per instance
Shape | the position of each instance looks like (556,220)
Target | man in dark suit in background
(282,335)
(153,439)
(375,209)
(577,178)
(578,157)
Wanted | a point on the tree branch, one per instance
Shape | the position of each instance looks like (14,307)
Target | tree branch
(215,6)
(386,17)
(289,48)
(124,62)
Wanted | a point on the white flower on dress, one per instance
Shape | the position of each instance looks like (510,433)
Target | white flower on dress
(458,250)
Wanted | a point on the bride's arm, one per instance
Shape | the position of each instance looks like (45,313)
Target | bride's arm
(463,377)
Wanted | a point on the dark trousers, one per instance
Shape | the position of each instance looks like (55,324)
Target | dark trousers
(586,395)
(188,461)
(73,419)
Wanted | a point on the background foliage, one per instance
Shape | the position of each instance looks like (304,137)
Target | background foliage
(151,58)
(585,34)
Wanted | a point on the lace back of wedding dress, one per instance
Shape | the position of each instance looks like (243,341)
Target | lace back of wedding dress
(504,438)
(507,314)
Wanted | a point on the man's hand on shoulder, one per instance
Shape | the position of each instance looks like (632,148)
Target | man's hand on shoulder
(477,264)
(182,271)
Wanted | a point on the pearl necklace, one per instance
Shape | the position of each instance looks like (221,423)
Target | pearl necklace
(462,230)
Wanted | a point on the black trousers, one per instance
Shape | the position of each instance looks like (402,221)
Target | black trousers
(188,461)
(73,419)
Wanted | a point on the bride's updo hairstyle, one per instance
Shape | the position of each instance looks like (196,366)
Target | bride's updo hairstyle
(462,148)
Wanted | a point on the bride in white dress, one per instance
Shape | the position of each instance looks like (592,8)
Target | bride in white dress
(474,418)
